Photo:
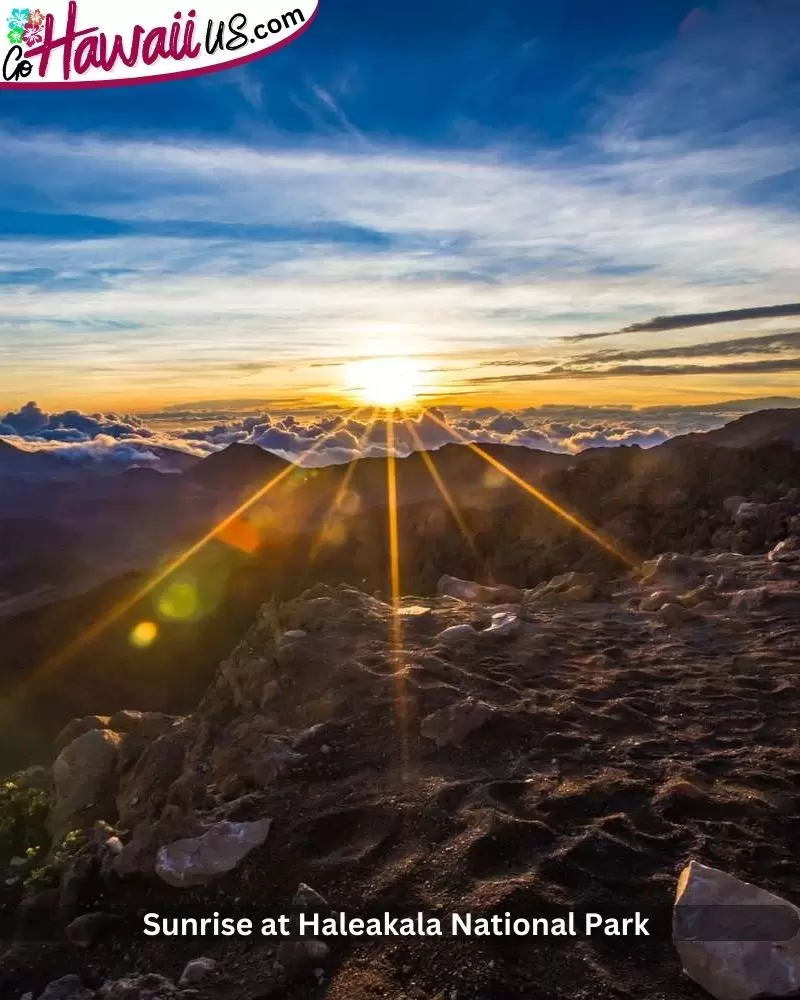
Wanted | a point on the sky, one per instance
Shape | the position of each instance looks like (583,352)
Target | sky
(565,205)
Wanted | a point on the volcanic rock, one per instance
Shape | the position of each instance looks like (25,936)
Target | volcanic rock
(146,987)
(84,774)
(77,727)
(656,600)
(452,725)
(198,860)
(675,614)
(66,988)
(299,957)
(83,931)
(504,623)
(749,963)
(467,590)
(457,633)
(749,600)
(787,551)
(146,724)
(196,971)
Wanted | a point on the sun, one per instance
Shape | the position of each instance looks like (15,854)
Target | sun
(383,381)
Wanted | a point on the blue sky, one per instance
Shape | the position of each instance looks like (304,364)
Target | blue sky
(470,184)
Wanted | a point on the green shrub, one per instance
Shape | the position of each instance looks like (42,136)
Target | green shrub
(47,873)
(23,821)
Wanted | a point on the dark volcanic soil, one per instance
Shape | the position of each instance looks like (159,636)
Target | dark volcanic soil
(618,749)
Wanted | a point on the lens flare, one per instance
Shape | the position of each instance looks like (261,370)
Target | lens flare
(144,634)
(179,601)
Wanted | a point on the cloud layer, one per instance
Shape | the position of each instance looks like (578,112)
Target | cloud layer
(322,439)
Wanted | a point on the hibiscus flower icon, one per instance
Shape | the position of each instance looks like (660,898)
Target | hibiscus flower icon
(19,18)
(15,36)
(35,19)
(33,34)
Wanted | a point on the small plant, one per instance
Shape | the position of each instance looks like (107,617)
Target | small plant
(48,872)
(23,821)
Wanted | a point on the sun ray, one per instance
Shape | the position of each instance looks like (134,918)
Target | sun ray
(603,541)
(120,609)
(396,625)
(443,490)
(341,492)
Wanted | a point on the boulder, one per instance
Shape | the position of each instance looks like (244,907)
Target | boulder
(672,568)
(467,590)
(749,600)
(656,600)
(196,971)
(83,931)
(198,860)
(146,724)
(67,988)
(84,774)
(750,512)
(757,948)
(676,614)
(457,633)
(147,987)
(451,726)
(77,727)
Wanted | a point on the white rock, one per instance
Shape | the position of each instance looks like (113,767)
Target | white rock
(295,633)
(737,969)
(504,623)
(197,860)
(457,633)
(452,725)
(196,971)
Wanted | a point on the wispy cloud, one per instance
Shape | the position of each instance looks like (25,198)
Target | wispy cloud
(661,324)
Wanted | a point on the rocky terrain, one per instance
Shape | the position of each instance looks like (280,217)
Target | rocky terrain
(572,743)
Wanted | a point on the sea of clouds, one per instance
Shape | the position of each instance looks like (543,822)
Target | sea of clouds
(161,439)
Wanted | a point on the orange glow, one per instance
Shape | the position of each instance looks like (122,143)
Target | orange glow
(242,535)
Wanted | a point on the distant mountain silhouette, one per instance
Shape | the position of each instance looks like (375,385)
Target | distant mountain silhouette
(44,466)
(753,430)
(34,465)
(236,467)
